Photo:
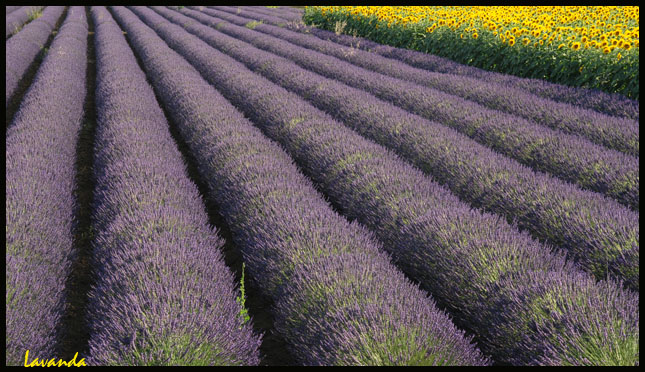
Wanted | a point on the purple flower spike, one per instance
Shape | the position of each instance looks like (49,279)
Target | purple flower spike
(163,294)
(40,177)
(462,256)
(286,230)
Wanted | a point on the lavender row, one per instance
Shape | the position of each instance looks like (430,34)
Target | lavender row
(616,133)
(300,11)
(568,157)
(613,104)
(283,12)
(289,235)
(163,293)
(266,18)
(17,19)
(596,231)
(40,173)
(338,298)
(10,9)
(300,248)
(475,264)
(599,101)
(287,9)
(21,50)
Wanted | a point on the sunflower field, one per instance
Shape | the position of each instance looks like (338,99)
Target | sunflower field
(588,46)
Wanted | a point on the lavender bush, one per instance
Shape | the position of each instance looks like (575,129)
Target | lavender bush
(568,157)
(599,101)
(287,13)
(613,104)
(10,9)
(328,277)
(596,231)
(616,133)
(270,18)
(478,266)
(163,293)
(22,49)
(40,173)
(18,18)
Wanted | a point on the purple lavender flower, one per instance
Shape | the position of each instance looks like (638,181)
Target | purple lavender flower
(568,157)
(163,294)
(15,21)
(613,104)
(296,248)
(10,9)
(616,133)
(287,13)
(550,209)
(40,173)
(460,255)
(23,48)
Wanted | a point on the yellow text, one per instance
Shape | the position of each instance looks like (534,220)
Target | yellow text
(53,363)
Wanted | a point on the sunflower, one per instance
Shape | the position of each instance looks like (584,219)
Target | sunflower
(526,41)
(575,46)
(475,36)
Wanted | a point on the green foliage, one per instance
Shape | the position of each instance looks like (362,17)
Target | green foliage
(251,25)
(16,29)
(35,13)
(241,300)
(588,68)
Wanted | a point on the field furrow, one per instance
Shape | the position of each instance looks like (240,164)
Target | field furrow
(161,277)
(289,186)
(471,262)
(273,18)
(334,288)
(22,49)
(599,101)
(40,174)
(616,133)
(568,157)
(597,232)
(11,9)
(15,21)
(613,104)
(287,13)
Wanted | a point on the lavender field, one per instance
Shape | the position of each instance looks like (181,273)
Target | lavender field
(228,186)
